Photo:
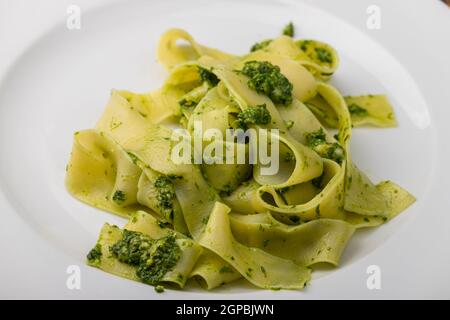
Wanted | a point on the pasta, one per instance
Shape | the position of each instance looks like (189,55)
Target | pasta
(229,215)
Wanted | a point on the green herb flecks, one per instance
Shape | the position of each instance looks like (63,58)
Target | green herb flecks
(165,194)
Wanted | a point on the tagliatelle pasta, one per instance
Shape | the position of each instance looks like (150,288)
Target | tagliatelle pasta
(230,170)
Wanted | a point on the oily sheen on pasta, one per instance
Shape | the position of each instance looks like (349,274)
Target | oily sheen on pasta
(219,222)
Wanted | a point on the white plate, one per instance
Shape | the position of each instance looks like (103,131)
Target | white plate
(62,82)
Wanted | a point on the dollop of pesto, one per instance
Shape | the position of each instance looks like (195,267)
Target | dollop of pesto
(356,110)
(94,256)
(162,258)
(130,249)
(119,197)
(165,194)
(289,30)
(267,79)
(153,258)
(208,77)
(316,141)
(254,115)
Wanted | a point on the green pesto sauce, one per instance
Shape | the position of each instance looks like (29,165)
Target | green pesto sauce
(119,197)
(304,44)
(208,77)
(165,194)
(254,115)
(95,255)
(356,110)
(153,258)
(267,79)
(161,260)
(317,141)
(323,55)
(132,246)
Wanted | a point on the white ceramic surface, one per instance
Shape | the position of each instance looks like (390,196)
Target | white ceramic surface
(61,82)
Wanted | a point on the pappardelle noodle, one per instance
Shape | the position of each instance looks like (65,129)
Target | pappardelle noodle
(219,222)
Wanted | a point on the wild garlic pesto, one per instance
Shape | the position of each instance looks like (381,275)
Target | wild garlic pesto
(153,258)
(254,115)
(267,79)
